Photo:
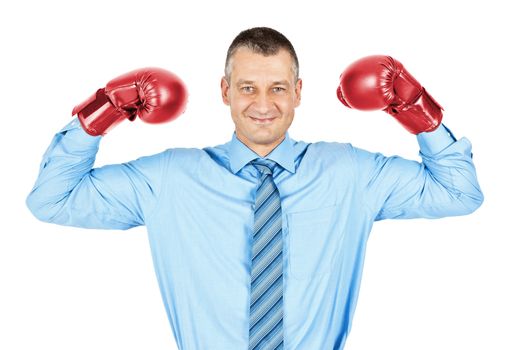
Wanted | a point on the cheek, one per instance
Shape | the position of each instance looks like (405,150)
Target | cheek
(286,105)
(240,104)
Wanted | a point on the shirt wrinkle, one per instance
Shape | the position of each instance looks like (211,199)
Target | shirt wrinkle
(197,205)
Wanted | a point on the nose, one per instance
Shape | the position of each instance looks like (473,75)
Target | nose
(263,103)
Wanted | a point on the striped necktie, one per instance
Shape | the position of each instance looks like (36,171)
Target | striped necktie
(266,307)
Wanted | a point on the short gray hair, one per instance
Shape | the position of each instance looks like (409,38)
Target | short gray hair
(261,40)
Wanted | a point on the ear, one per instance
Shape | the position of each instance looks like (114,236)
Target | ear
(298,88)
(225,89)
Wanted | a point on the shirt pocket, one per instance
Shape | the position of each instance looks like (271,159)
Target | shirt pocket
(313,241)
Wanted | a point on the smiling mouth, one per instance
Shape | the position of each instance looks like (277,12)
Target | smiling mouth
(263,120)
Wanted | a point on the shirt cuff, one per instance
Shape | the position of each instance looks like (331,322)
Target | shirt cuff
(69,140)
(431,143)
(74,131)
(74,124)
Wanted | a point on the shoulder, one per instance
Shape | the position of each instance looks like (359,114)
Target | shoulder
(182,153)
(181,158)
(348,155)
(328,149)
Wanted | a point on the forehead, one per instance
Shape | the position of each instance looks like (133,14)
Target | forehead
(247,64)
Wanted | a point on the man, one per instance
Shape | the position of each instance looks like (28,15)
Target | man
(258,243)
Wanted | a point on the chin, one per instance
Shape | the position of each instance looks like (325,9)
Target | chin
(266,139)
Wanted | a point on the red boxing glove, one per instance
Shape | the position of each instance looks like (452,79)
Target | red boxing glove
(155,95)
(381,82)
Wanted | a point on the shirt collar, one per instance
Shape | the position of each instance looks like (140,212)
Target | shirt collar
(240,154)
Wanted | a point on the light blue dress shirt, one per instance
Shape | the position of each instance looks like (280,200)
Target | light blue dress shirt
(197,205)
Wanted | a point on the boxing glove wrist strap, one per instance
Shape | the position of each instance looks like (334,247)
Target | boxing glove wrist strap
(97,115)
(424,114)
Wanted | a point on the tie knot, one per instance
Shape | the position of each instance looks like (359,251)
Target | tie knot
(265,166)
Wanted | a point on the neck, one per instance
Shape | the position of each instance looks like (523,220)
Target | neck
(262,150)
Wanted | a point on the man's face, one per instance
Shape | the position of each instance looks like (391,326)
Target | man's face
(262,97)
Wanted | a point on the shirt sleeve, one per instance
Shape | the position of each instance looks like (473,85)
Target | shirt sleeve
(69,191)
(443,184)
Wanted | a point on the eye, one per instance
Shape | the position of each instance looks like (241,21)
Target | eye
(278,89)
(247,88)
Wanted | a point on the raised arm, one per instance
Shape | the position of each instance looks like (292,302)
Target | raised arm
(69,191)
(444,183)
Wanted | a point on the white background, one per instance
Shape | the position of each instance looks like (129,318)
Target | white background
(454,283)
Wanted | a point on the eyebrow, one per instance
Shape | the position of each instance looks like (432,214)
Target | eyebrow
(280,82)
